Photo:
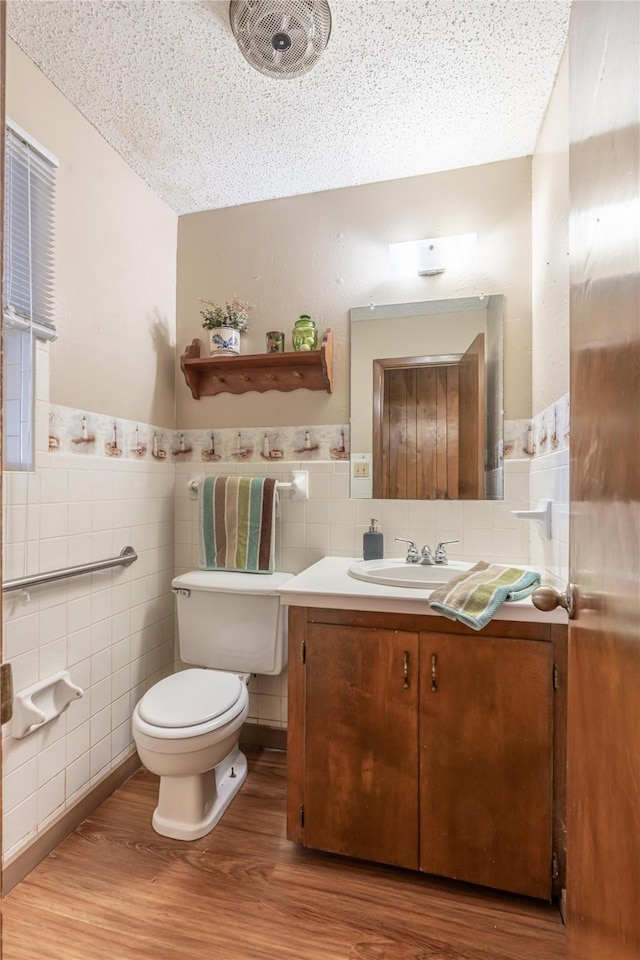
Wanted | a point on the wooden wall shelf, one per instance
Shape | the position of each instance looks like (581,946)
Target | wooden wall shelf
(207,376)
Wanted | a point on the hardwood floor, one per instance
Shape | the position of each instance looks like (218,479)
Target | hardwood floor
(116,890)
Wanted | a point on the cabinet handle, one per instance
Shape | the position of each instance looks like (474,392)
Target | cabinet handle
(434,678)
(405,670)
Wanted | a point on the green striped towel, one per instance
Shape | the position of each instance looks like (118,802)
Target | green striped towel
(237,523)
(474,596)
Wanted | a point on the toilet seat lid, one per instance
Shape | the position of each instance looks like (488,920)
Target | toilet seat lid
(190,697)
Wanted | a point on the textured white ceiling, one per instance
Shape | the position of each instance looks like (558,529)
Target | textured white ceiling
(405,87)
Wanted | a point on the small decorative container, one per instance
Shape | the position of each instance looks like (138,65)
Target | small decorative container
(275,341)
(305,334)
(225,340)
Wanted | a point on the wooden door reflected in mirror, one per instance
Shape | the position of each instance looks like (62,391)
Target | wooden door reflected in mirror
(387,340)
(429,426)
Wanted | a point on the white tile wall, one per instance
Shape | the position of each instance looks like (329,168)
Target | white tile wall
(112,630)
(550,481)
(330,523)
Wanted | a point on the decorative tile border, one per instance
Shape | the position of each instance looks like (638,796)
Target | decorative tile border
(547,432)
(260,444)
(92,434)
(89,434)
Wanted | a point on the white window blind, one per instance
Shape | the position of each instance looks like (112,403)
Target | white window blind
(27,285)
(29,234)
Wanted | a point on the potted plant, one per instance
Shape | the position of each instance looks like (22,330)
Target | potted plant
(225,324)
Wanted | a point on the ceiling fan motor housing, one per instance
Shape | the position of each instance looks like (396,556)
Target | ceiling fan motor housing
(281,38)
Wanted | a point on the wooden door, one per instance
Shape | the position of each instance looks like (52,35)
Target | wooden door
(486,761)
(361,743)
(603,748)
(415,437)
(472,421)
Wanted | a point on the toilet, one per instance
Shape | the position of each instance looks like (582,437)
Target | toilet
(187,726)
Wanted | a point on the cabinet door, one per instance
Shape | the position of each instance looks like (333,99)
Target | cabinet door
(361,743)
(486,761)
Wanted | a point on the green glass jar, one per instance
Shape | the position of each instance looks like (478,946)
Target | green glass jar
(305,334)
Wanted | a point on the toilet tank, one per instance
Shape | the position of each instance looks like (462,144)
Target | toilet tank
(232,621)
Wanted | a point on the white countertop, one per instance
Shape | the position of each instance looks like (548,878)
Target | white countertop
(328,584)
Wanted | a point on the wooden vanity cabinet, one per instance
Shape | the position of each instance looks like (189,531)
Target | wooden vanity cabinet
(361,743)
(486,761)
(418,742)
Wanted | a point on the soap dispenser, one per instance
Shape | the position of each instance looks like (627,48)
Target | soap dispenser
(372,543)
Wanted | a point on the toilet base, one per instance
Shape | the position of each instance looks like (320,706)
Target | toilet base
(190,806)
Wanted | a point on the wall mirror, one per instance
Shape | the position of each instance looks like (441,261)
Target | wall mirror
(427,400)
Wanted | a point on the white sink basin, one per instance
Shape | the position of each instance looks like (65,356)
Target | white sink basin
(399,573)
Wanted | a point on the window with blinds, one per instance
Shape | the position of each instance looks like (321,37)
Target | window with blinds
(27,285)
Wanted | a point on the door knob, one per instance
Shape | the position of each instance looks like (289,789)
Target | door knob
(547,598)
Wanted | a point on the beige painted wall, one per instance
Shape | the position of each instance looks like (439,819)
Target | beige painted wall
(320,253)
(115,263)
(325,253)
(550,249)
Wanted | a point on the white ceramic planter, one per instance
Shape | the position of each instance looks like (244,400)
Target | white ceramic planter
(224,340)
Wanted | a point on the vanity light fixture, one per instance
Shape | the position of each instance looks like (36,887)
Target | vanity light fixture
(429,257)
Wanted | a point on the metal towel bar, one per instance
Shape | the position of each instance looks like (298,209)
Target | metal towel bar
(127,556)
(298,485)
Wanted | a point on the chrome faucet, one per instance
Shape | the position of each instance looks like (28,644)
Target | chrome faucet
(426,557)
(440,556)
(412,552)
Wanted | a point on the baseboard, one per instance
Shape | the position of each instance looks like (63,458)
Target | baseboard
(257,735)
(25,860)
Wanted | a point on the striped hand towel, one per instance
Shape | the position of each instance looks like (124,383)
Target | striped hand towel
(474,596)
(237,523)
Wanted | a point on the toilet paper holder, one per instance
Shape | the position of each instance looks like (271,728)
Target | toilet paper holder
(41,702)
